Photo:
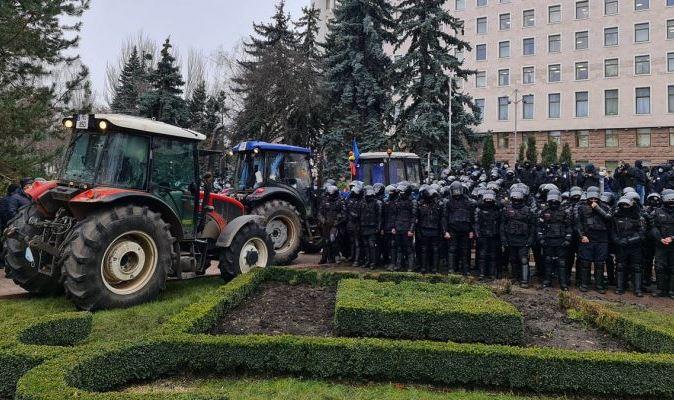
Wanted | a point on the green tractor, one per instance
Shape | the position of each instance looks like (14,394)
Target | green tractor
(126,213)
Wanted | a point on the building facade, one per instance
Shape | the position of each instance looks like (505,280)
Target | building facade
(597,74)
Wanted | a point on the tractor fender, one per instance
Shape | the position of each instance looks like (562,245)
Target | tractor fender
(234,226)
(268,193)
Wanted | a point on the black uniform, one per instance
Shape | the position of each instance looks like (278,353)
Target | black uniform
(388,222)
(405,211)
(429,228)
(370,218)
(662,229)
(517,234)
(488,235)
(458,221)
(330,216)
(629,228)
(593,224)
(554,236)
(352,213)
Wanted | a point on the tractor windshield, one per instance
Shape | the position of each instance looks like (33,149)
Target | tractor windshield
(249,171)
(111,159)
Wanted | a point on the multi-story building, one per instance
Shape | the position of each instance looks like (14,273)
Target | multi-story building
(597,74)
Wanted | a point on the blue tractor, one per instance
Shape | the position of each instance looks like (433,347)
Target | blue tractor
(275,181)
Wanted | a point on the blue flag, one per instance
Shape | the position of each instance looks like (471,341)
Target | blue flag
(356,152)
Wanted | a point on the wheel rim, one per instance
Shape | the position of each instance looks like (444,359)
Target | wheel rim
(282,233)
(129,263)
(253,254)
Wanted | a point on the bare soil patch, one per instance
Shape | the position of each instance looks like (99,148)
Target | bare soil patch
(547,325)
(278,309)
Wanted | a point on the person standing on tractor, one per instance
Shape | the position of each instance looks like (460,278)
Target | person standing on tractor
(330,216)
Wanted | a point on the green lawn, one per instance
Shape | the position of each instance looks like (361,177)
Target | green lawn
(297,389)
(647,317)
(112,325)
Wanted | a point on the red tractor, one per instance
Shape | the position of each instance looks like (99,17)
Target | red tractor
(126,213)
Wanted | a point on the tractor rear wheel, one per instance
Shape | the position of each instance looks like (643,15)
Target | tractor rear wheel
(284,226)
(20,265)
(118,258)
(251,248)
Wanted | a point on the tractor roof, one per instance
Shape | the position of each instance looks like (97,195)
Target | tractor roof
(149,126)
(264,146)
(381,154)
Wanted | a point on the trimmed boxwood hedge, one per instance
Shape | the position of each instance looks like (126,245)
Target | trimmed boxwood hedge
(419,310)
(643,336)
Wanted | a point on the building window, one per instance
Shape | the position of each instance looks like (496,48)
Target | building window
(610,7)
(479,103)
(611,102)
(641,32)
(611,36)
(611,68)
(554,43)
(503,77)
(582,40)
(644,137)
(503,103)
(555,136)
(555,14)
(582,70)
(504,1)
(460,5)
(481,52)
(503,140)
(611,165)
(642,65)
(528,106)
(528,18)
(504,22)
(554,73)
(670,98)
(481,79)
(583,139)
(670,62)
(643,100)
(611,138)
(528,46)
(504,49)
(582,9)
(528,75)
(640,5)
(670,3)
(670,29)
(481,25)
(554,105)
(481,3)
(582,108)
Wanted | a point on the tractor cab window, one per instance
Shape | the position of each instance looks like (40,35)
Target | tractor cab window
(413,171)
(396,171)
(372,171)
(291,169)
(249,171)
(82,157)
(125,161)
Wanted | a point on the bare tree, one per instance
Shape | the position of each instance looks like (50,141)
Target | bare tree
(147,48)
(196,71)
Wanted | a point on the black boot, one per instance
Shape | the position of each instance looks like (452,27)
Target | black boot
(356,256)
(584,275)
(450,263)
(399,260)
(525,275)
(620,280)
(373,257)
(324,256)
(410,261)
(547,273)
(435,266)
(637,281)
(599,282)
(561,270)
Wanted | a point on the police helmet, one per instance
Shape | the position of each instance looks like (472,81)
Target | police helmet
(369,193)
(391,190)
(456,188)
(628,190)
(625,202)
(575,192)
(634,196)
(654,199)
(378,189)
(332,191)
(554,197)
(489,196)
(668,199)
(592,193)
(607,198)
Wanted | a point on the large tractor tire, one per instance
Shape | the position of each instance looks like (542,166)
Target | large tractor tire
(284,226)
(17,265)
(251,248)
(118,258)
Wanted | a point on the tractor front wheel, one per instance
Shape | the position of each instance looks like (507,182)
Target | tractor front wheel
(118,258)
(284,226)
(251,248)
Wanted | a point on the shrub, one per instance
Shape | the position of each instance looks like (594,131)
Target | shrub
(418,310)
(644,336)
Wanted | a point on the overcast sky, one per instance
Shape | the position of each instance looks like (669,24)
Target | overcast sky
(201,24)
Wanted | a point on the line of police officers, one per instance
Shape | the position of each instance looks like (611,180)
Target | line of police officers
(432,229)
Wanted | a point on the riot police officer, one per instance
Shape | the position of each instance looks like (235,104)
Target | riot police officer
(429,228)
(663,233)
(653,202)
(592,226)
(629,228)
(352,212)
(487,233)
(517,234)
(330,216)
(389,249)
(405,211)
(458,222)
(554,236)
(370,217)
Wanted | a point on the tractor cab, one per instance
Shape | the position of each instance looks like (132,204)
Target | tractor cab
(389,168)
(275,181)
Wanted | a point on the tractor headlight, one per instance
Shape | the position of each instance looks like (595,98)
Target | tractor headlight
(103,125)
(256,150)
(68,123)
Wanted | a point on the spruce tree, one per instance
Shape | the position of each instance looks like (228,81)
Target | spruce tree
(488,152)
(163,101)
(357,78)
(422,80)
(566,156)
(549,153)
(521,155)
(532,153)
(266,80)
(197,107)
(128,88)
